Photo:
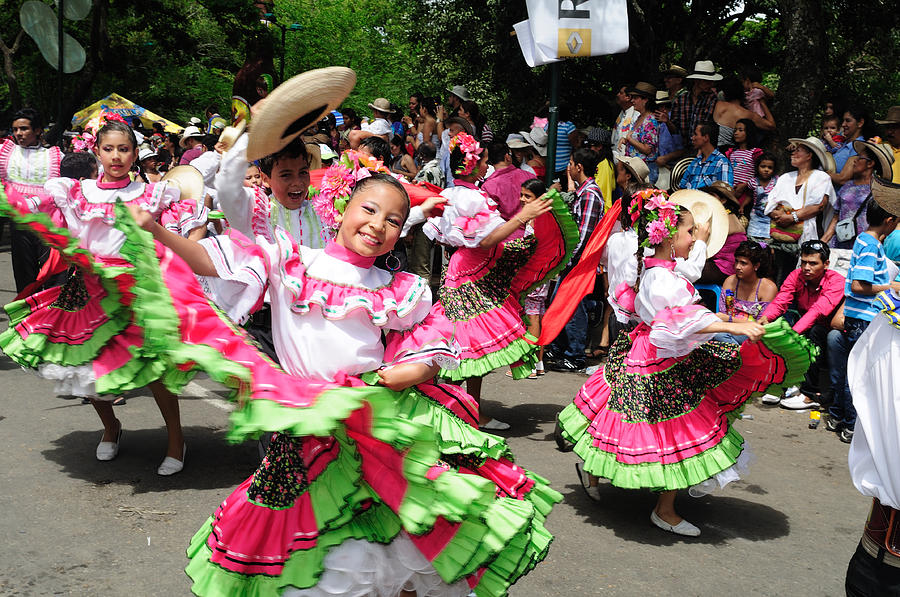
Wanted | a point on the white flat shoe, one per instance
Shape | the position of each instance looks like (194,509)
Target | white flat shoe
(109,450)
(170,465)
(682,528)
(495,425)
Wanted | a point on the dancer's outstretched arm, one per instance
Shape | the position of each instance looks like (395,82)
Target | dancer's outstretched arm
(190,250)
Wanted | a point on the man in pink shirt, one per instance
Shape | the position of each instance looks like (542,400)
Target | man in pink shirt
(505,184)
(815,292)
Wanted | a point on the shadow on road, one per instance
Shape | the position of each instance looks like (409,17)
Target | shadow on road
(720,517)
(525,419)
(211,462)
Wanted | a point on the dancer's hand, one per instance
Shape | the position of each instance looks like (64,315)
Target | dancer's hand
(751,329)
(532,210)
(400,377)
(143,217)
(429,204)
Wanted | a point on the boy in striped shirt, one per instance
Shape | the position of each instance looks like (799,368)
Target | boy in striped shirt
(868,275)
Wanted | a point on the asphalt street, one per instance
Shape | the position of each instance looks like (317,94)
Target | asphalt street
(76,526)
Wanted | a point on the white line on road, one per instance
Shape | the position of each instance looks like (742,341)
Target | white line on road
(195,390)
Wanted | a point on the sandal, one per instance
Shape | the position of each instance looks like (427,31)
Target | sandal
(597,353)
(119,401)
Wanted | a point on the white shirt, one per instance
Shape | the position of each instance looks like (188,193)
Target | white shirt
(813,192)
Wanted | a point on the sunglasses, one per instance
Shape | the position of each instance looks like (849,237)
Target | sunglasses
(813,245)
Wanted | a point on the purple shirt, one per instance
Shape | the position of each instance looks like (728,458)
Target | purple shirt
(505,186)
(849,198)
(191,154)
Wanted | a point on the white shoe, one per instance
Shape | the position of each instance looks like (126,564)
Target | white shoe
(770,399)
(791,392)
(495,425)
(798,402)
(109,450)
(682,528)
(170,465)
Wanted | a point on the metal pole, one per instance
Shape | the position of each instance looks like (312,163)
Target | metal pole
(283,29)
(553,122)
(59,68)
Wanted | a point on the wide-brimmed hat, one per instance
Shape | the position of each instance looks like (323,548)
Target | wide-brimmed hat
(892,117)
(706,70)
(516,141)
(678,171)
(537,138)
(146,152)
(705,208)
(379,126)
(642,88)
(296,104)
(637,167)
(382,105)
(188,180)
(882,153)
(194,121)
(722,190)
(815,145)
(465,124)
(190,132)
(461,92)
(887,195)
(675,71)
(662,97)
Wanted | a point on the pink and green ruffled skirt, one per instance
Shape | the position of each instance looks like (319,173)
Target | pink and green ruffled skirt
(645,421)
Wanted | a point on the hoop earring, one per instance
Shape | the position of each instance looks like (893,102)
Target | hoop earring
(392,266)
(672,252)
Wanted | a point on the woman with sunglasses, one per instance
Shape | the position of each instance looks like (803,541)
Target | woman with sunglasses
(849,200)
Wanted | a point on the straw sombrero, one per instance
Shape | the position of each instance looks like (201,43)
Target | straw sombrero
(188,180)
(887,195)
(882,153)
(815,145)
(678,171)
(295,105)
(705,208)
(637,167)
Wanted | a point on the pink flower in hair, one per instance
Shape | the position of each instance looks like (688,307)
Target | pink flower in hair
(657,232)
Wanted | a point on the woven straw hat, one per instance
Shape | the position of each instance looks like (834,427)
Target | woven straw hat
(705,208)
(637,167)
(295,105)
(882,153)
(887,195)
(187,179)
(678,171)
(815,145)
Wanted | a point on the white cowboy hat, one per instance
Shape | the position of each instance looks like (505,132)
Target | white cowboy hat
(706,70)
(882,153)
(187,179)
(190,132)
(705,208)
(537,138)
(815,145)
(295,105)
(637,167)
(146,152)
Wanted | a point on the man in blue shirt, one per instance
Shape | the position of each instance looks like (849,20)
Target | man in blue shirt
(710,164)
(868,275)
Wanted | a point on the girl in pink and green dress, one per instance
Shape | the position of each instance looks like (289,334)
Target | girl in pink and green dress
(659,413)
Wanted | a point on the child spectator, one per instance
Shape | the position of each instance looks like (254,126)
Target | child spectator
(868,275)
(760,186)
(754,91)
(78,165)
(743,157)
(831,127)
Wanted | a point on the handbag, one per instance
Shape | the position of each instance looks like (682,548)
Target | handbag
(791,233)
(845,230)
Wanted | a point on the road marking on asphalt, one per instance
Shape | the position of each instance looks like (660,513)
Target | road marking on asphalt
(195,390)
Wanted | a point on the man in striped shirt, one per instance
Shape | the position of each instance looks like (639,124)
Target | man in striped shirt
(868,275)
(587,211)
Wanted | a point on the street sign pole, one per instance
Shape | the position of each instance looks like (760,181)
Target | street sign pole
(553,123)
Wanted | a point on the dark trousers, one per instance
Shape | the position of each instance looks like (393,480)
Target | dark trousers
(816,383)
(260,328)
(867,577)
(28,255)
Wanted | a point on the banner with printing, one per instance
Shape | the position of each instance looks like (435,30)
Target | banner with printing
(559,29)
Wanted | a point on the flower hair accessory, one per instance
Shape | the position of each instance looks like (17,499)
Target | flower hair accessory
(470,149)
(661,215)
(338,181)
(86,141)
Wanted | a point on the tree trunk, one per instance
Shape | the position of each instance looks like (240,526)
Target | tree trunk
(9,72)
(98,49)
(803,67)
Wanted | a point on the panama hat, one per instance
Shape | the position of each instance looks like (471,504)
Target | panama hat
(662,97)
(882,153)
(188,180)
(678,171)
(893,116)
(637,167)
(295,105)
(516,141)
(705,208)
(537,138)
(887,195)
(190,132)
(642,88)
(815,145)
(675,71)
(382,105)
(461,92)
(146,152)
(706,70)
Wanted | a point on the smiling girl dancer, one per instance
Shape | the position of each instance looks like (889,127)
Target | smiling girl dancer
(82,335)
(659,414)
(376,482)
